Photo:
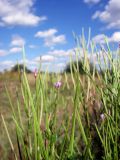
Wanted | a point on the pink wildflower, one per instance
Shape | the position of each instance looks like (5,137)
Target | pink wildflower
(35,73)
(102,116)
(58,84)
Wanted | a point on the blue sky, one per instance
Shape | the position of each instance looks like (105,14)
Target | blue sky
(45,28)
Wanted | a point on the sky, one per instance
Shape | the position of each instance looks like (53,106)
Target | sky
(45,28)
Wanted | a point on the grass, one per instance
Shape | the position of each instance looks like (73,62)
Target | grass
(79,120)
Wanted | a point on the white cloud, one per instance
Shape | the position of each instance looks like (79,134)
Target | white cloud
(61,65)
(50,37)
(15,50)
(92,1)
(26,61)
(22,19)
(59,53)
(45,58)
(46,34)
(18,12)
(7,62)
(16,45)
(3,52)
(100,38)
(115,37)
(32,46)
(54,40)
(62,53)
(110,15)
(17,41)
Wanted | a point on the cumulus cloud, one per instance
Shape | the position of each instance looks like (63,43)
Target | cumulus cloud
(16,45)
(52,41)
(3,52)
(91,1)
(17,41)
(50,37)
(46,34)
(62,53)
(61,65)
(7,62)
(15,50)
(45,58)
(110,15)
(115,37)
(18,12)
(59,53)
(32,46)
(100,38)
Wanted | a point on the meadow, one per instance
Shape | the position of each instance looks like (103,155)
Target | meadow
(62,116)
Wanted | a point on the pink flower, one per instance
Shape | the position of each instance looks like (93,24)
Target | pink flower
(58,84)
(102,116)
(35,73)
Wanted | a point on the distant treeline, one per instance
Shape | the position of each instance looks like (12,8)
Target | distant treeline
(73,66)
(79,66)
(20,67)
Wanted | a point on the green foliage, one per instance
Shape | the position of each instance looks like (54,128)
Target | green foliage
(77,133)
